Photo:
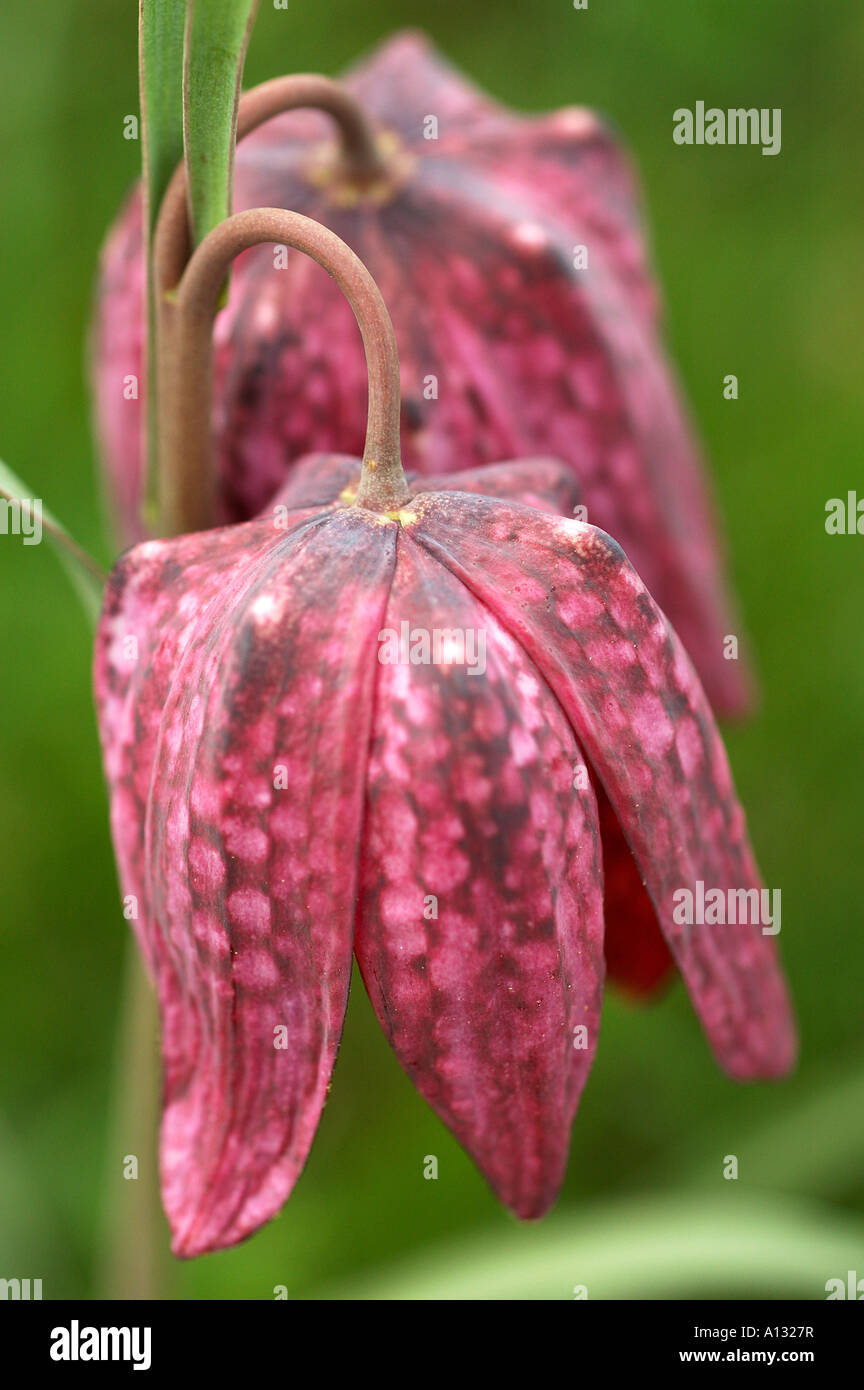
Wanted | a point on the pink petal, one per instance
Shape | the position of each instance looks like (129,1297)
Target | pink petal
(405,79)
(317,480)
(322,479)
(544,483)
(470,811)
(636,705)
(247,887)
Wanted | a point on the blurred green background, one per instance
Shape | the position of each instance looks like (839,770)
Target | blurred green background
(760,259)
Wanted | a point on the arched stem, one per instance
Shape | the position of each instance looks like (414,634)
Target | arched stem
(172,248)
(360,156)
(185,364)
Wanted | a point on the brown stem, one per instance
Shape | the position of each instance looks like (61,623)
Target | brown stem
(185,363)
(172,246)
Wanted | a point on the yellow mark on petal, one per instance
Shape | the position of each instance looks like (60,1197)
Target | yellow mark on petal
(326,170)
(347,495)
(403,516)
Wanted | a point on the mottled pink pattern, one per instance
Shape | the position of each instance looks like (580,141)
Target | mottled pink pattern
(281,796)
(567,593)
(470,799)
(474,254)
(247,915)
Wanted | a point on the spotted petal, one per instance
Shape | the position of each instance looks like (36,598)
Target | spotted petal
(237,729)
(544,483)
(480,926)
(567,593)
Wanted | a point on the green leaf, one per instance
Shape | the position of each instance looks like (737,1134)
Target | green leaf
(32,517)
(827,1165)
(161,29)
(217,32)
(700,1245)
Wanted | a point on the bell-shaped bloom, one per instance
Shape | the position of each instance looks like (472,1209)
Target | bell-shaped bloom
(416,736)
(511,253)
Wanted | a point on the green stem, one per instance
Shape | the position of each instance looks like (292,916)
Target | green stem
(161,26)
(136,1234)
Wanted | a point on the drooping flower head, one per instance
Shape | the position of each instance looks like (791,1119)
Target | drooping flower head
(510,250)
(413,722)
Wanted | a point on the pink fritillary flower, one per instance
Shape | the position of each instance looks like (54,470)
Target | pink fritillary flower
(293,782)
(511,252)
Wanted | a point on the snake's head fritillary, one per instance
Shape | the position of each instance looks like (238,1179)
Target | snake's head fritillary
(511,253)
(415,736)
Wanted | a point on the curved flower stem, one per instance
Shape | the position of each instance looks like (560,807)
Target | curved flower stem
(185,363)
(360,156)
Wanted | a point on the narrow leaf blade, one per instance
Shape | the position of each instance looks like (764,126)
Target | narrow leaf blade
(217,33)
(162,26)
(84,573)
